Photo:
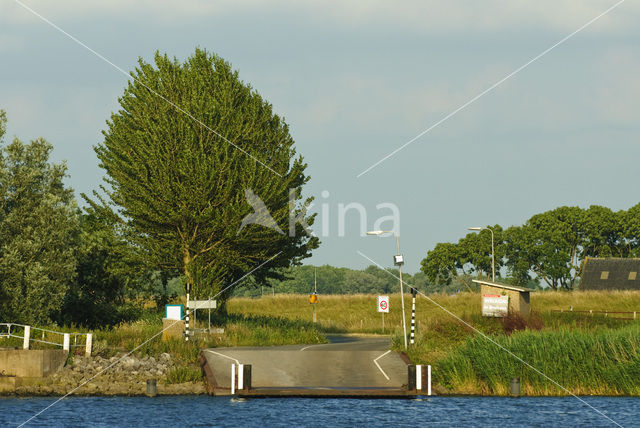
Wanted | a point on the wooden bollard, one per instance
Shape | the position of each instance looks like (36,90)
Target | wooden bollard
(247,376)
(419,377)
(151,388)
(411,380)
(515,387)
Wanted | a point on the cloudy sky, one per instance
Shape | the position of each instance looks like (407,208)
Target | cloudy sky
(356,80)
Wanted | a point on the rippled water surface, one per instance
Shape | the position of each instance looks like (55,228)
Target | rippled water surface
(201,411)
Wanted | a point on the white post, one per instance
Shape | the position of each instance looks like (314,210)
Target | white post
(419,377)
(67,340)
(186,332)
(27,335)
(240,376)
(429,380)
(88,345)
(233,379)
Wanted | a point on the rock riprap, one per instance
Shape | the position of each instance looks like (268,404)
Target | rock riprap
(119,375)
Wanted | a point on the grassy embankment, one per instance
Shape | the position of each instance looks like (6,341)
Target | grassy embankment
(586,354)
(239,330)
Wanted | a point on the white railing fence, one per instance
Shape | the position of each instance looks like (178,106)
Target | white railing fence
(30,334)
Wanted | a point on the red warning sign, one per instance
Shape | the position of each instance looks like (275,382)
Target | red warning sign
(383,304)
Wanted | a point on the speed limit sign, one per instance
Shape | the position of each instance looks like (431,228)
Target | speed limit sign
(383,304)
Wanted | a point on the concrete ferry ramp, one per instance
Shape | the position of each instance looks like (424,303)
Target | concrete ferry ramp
(347,362)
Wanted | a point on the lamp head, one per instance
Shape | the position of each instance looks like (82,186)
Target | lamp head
(398,260)
(476,228)
(375,232)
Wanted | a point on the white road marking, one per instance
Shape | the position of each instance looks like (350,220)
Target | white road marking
(307,347)
(222,355)
(378,365)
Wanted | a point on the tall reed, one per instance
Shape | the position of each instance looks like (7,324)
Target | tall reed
(601,362)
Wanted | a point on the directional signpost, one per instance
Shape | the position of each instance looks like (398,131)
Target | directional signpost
(383,306)
(202,304)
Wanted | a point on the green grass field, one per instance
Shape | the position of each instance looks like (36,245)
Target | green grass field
(587,354)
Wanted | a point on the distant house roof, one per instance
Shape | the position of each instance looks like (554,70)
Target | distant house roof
(505,286)
(610,273)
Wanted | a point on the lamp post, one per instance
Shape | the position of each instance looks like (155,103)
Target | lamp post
(493,260)
(398,260)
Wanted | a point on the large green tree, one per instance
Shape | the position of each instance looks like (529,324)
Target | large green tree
(471,255)
(109,274)
(189,149)
(38,232)
(550,247)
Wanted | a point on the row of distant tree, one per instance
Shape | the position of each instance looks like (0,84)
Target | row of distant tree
(333,280)
(549,249)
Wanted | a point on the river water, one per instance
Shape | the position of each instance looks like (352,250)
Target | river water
(203,411)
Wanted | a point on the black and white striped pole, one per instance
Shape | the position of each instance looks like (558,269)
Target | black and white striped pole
(414,292)
(186,330)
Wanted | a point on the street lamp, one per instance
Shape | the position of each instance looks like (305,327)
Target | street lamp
(398,260)
(493,261)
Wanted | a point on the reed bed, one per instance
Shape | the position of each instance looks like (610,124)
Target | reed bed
(601,362)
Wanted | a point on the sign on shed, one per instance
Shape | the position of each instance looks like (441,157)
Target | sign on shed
(517,299)
(383,304)
(495,305)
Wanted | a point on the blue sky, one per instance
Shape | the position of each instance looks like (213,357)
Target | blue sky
(356,80)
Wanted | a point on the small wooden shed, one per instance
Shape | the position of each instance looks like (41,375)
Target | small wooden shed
(519,297)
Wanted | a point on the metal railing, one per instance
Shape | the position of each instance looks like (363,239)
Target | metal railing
(30,334)
(614,314)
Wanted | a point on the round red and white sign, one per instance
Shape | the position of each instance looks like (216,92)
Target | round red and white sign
(383,303)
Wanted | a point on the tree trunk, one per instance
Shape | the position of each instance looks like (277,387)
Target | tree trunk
(187,260)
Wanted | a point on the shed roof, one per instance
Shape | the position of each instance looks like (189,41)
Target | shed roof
(610,273)
(506,286)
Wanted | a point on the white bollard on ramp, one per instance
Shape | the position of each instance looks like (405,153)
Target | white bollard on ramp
(240,376)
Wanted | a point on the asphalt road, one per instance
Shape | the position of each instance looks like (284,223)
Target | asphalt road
(346,362)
